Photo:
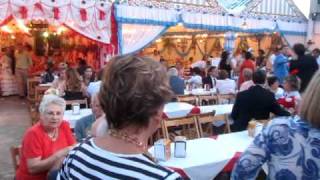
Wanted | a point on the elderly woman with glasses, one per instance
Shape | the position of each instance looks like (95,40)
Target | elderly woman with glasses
(46,142)
(132,96)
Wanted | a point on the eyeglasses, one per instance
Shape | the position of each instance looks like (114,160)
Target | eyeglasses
(51,113)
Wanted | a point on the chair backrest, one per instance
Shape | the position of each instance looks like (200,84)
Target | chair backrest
(226,98)
(15,152)
(80,101)
(181,122)
(40,90)
(210,118)
(188,99)
(213,98)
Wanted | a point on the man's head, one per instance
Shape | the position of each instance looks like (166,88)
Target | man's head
(213,71)
(95,105)
(316,52)
(299,49)
(259,77)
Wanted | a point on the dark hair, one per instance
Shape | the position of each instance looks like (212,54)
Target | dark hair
(196,70)
(82,62)
(248,55)
(100,74)
(224,58)
(316,50)
(259,77)
(211,68)
(271,80)
(299,49)
(294,82)
(261,51)
(133,90)
(223,74)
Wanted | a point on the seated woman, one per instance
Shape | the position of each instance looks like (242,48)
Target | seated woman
(74,87)
(132,95)
(291,98)
(289,146)
(88,76)
(60,82)
(49,75)
(224,84)
(196,80)
(46,142)
(273,83)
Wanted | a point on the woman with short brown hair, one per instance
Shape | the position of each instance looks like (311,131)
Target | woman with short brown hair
(289,146)
(132,95)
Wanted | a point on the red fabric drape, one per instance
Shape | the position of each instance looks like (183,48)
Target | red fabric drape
(114,31)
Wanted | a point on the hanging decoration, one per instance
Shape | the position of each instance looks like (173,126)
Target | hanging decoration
(243,45)
(216,46)
(23,12)
(87,17)
(83,14)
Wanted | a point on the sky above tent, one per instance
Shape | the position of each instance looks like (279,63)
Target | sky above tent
(236,6)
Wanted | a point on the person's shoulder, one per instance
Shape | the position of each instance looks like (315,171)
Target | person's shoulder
(34,131)
(288,125)
(64,125)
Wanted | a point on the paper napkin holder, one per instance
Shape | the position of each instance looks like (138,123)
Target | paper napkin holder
(162,150)
(75,108)
(180,147)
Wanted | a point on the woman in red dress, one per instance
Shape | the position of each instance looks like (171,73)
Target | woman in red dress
(248,63)
(46,142)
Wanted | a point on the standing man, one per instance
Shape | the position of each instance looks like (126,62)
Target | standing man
(280,65)
(316,54)
(23,63)
(304,67)
(211,78)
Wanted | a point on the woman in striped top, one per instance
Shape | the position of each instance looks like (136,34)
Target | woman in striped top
(132,95)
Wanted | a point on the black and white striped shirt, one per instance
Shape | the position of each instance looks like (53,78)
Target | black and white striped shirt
(87,161)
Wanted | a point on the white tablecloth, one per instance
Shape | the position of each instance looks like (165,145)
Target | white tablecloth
(220,109)
(180,109)
(206,157)
(177,109)
(72,119)
(200,92)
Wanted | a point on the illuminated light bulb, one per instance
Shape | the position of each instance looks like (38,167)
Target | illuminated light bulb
(12,37)
(45,34)
(6,29)
(61,29)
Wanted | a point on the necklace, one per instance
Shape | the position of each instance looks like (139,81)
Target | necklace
(125,137)
(53,136)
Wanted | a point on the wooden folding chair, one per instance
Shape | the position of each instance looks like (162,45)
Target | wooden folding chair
(181,122)
(212,98)
(40,90)
(15,152)
(31,86)
(79,101)
(226,98)
(188,99)
(209,118)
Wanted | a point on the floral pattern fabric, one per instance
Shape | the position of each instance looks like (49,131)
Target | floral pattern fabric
(289,146)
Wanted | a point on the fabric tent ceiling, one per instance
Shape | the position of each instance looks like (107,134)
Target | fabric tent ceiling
(90,18)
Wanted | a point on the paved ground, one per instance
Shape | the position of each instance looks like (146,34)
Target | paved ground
(14,120)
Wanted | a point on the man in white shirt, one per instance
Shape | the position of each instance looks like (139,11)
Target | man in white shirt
(225,85)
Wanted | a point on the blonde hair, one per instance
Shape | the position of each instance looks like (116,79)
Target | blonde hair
(310,109)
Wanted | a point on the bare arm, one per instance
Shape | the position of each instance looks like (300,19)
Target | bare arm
(36,165)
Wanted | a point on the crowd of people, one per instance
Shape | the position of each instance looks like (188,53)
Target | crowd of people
(128,96)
